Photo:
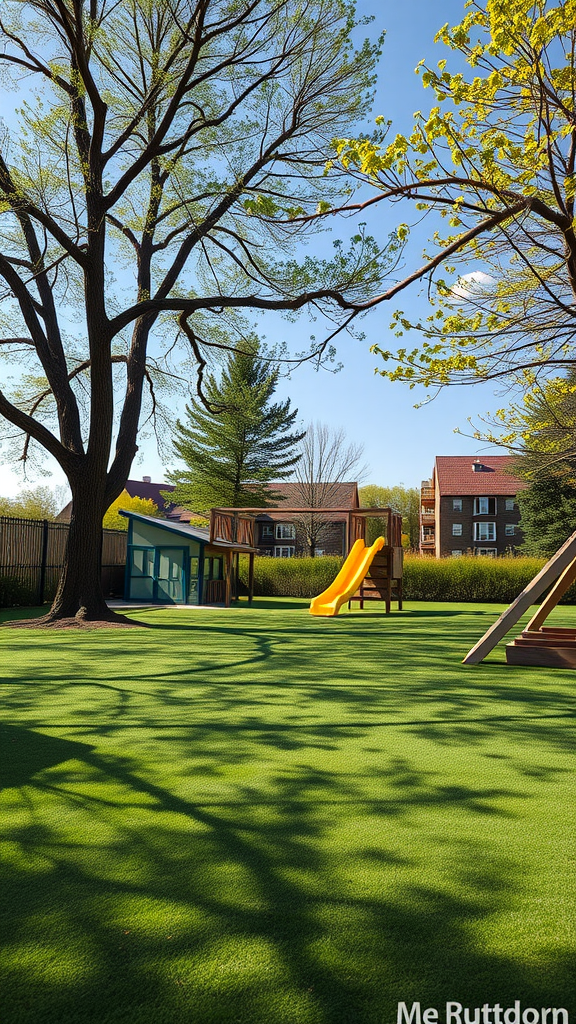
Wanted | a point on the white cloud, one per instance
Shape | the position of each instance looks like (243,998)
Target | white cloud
(471,284)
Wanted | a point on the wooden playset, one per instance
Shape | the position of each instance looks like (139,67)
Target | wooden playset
(382,580)
(537,645)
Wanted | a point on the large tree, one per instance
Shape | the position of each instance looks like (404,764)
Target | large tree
(496,157)
(405,500)
(34,503)
(149,142)
(540,432)
(326,461)
(231,453)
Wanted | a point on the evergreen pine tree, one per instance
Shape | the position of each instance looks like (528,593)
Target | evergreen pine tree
(231,454)
(548,510)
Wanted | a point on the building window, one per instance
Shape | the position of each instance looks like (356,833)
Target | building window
(486,552)
(456,504)
(510,529)
(484,531)
(456,529)
(457,553)
(285,531)
(484,506)
(266,530)
(283,552)
(510,504)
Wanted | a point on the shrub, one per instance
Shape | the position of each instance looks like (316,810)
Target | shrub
(291,577)
(425,579)
(14,593)
(469,578)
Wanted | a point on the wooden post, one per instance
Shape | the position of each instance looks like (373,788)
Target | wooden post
(228,578)
(42,581)
(250,577)
(237,576)
(551,571)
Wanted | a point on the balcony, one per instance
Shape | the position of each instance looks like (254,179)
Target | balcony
(427,494)
(427,517)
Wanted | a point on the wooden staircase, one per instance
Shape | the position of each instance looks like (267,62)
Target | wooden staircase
(383,581)
(547,647)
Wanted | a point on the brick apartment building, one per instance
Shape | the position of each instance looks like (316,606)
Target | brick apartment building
(469,507)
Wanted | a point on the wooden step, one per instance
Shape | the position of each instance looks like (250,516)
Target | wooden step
(541,656)
(527,640)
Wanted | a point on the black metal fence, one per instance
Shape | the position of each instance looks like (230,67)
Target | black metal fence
(32,554)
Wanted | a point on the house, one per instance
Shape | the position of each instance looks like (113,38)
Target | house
(172,562)
(469,507)
(143,488)
(283,534)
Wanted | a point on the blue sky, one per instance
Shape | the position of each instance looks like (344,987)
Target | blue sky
(400,440)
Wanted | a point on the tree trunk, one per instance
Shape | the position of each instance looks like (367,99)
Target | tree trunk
(79,595)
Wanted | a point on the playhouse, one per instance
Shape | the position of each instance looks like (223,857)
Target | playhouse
(176,563)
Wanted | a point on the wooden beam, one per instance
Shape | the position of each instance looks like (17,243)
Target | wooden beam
(228,578)
(563,583)
(551,571)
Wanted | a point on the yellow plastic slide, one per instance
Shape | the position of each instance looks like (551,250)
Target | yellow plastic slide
(348,579)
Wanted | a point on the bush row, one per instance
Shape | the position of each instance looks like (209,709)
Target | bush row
(291,577)
(425,579)
(16,594)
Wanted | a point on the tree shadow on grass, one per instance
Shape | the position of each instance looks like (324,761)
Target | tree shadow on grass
(24,753)
(154,903)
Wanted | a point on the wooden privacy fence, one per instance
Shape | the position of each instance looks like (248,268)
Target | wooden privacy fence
(32,551)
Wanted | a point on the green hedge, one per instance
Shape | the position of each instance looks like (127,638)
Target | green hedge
(468,578)
(15,594)
(291,577)
(425,579)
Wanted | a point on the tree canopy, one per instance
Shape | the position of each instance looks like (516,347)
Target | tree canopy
(232,453)
(114,521)
(327,460)
(39,502)
(405,500)
(148,142)
(540,431)
(495,157)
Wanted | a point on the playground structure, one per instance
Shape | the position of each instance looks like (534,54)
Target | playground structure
(349,579)
(362,578)
(537,645)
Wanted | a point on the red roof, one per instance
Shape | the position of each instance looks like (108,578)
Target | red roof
(456,476)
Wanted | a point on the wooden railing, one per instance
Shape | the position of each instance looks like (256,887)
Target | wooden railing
(231,528)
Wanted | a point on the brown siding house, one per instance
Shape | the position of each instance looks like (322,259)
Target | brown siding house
(469,507)
(283,535)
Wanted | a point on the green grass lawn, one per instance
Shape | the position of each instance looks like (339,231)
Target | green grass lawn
(262,817)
